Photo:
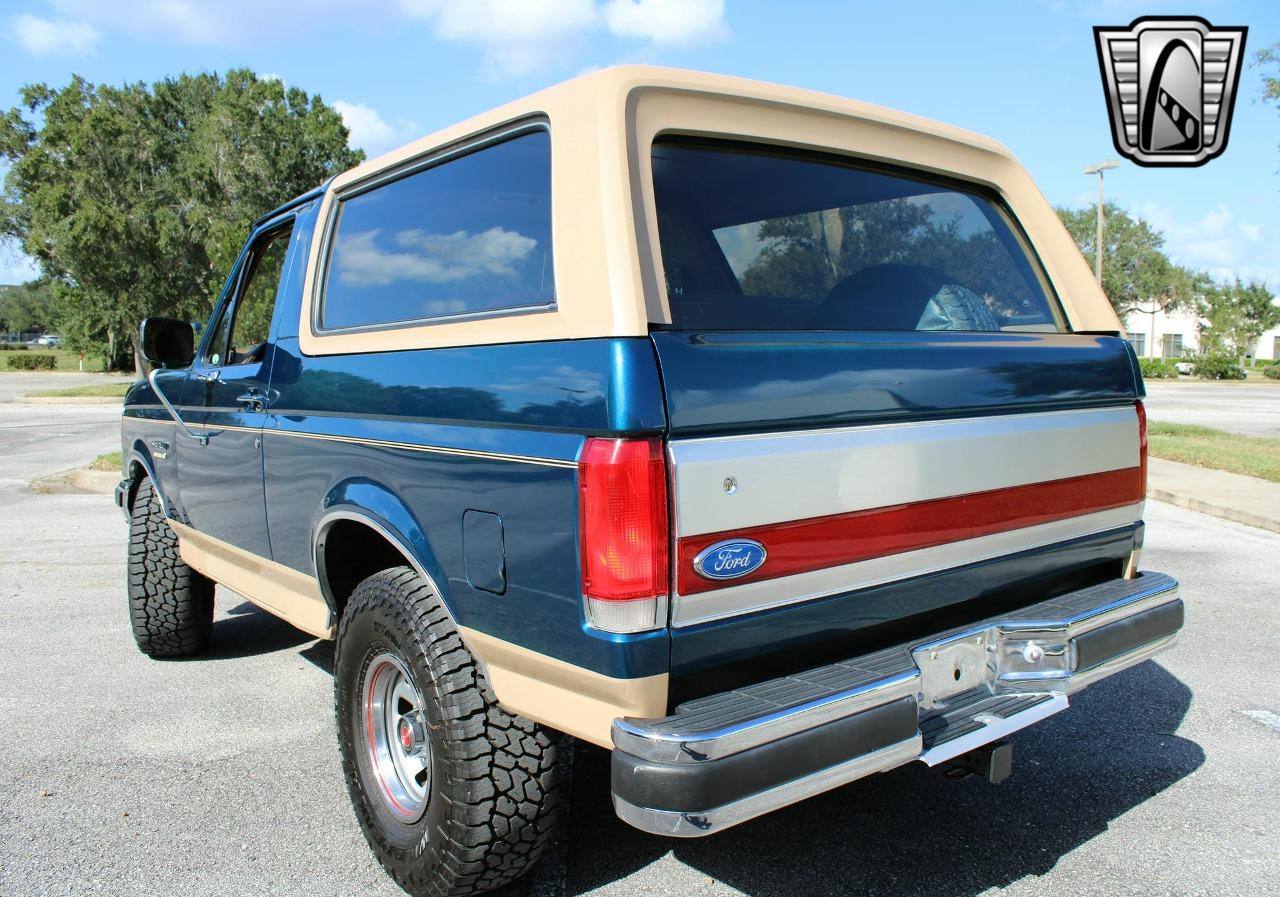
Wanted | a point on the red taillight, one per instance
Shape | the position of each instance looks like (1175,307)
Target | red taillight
(1142,448)
(622,531)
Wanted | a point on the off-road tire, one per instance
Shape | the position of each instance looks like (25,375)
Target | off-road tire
(493,793)
(170,605)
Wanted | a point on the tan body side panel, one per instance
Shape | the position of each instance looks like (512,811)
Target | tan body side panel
(569,698)
(578,701)
(294,597)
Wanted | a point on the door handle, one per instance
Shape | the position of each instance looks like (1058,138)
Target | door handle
(253,399)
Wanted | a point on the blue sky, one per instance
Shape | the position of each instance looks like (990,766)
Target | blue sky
(1024,73)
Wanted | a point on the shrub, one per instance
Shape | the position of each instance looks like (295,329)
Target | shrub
(13,347)
(1272,371)
(33,362)
(1218,367)
(1157,369)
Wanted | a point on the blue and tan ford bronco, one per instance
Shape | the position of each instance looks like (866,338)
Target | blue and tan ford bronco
(766,439)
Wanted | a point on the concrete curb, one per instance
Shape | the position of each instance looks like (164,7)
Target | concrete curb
(81,481)
(69,400)
(1213,510)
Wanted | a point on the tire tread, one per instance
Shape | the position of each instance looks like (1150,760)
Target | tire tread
(501,776)
(170,604)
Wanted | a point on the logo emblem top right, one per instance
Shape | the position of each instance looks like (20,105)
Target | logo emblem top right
(1170,86)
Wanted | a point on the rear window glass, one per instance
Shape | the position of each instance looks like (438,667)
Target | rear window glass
(470,235)
(762,239)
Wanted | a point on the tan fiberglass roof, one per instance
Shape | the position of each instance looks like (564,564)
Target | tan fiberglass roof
(607,268)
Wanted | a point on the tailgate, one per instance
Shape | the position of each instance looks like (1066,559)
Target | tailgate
(892,480)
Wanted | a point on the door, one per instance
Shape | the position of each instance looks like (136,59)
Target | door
(222,480)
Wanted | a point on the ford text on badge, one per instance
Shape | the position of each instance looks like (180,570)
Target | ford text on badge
(730,559)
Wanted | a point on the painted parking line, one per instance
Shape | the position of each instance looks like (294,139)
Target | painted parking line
(1266,717)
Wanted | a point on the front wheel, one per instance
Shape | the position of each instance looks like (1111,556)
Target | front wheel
(454,795)
(170,604)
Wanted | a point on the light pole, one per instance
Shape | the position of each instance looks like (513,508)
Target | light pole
(1098,169)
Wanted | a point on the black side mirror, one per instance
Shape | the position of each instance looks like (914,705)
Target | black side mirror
(167,342)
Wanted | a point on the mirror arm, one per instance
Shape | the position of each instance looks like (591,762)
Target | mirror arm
(202,438)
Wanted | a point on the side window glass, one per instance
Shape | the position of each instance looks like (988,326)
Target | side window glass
(240,334)
(219,334)
(471,235)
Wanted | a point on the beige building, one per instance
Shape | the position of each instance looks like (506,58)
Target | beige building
(1160,335)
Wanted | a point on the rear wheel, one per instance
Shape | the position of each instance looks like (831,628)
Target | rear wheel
(170,604)
(454,795)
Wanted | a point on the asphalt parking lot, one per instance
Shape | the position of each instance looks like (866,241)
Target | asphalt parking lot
(121,775)
(1252,409)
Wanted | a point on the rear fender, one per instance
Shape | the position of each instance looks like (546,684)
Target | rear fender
(379,507)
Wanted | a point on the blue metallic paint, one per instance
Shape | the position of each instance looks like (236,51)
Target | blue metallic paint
(413,439)
(725,651)
(421,495)
(750,382)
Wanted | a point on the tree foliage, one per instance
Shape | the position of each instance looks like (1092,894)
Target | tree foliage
(1236,314)
(134,200)
(1136,272)
(807,255)
(1268,59)
(27,308)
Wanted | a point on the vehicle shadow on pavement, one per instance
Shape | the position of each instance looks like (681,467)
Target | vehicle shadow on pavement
(244,630)
(910,831)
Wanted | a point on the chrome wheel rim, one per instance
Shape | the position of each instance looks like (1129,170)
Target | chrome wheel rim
(394,722)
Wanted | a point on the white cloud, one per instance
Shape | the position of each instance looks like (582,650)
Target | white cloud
(516,36)
(225,23)
(1212,243)
(667,22)
(431,258)
(520,36)
(52,37)
(370,131)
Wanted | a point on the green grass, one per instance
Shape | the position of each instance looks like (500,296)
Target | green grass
(67,360)
(1254,456)
(109,461)
(115,390)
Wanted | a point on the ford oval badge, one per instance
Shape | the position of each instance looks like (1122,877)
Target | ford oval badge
(730,559)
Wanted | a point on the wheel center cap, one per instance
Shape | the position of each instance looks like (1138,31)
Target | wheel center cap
(410,733)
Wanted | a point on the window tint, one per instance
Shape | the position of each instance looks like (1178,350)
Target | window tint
(753,238)
(244,323)
(469,235)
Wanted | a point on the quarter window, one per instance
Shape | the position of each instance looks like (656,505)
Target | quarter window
(468,236)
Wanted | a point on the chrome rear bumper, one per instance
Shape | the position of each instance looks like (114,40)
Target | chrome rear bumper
(727,758)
